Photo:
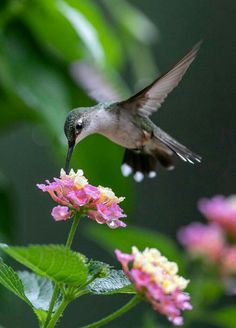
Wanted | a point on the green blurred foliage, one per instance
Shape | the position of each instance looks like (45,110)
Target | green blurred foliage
(124,239)
(7,211)
(224,317)
(39,40)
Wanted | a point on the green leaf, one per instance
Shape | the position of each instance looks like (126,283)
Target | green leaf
(37,83)
(86,32)
(116,282)
(224,317)
(205,289)
(56,262)
(12,107)
(31,289)
(37,289)
(98,269)
(94,31)
(84,29)
(10,280)
(132,20)
(212,290)
(124,239)
(69,47)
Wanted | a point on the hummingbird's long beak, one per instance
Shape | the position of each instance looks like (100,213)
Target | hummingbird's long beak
(68,157)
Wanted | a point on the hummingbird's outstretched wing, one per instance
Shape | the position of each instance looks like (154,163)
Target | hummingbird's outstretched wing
(94,82)
(148,100)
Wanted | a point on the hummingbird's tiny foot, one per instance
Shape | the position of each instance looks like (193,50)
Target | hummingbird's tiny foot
(126,170)
(198,160)
(138,177)
(152,174)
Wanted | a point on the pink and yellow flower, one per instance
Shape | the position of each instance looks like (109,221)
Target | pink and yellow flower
(73,193)
(156,279)
(201,240)
(221,210)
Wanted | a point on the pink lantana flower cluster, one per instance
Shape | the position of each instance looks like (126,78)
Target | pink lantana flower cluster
(214,242)
(222,211)
(156,279)
(202,240)
(73,193)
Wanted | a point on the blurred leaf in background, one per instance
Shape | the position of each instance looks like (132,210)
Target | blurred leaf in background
(139,237)
(7,212)
(39,41)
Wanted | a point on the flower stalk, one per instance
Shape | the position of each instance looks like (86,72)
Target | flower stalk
(50,319)
(73,228)
(58,313)
(115,314)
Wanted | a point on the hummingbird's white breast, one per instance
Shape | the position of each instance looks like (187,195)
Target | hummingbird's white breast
(119,128)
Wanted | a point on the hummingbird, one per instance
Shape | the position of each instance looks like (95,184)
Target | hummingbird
(128,124)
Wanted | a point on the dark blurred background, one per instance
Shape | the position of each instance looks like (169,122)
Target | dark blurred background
(130,41)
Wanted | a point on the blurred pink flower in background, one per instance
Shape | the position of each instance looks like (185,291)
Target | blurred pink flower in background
(73,193)
(221,210)
(228,261)
(156,279)
(201,240)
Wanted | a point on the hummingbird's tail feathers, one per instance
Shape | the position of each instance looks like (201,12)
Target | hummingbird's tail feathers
(141,163)
(165,159)
(183,152)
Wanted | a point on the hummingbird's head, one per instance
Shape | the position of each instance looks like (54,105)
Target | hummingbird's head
(76,128)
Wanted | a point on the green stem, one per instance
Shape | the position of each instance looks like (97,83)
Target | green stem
(58,313)
(51,305)
(75,223)
(116,314)
(73,229)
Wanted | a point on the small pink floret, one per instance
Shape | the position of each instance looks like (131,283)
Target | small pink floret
(141,278)
(61,213)
(92,192)
(78,198)
(178,321)
(124,259)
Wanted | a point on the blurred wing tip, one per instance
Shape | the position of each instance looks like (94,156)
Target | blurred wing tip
(197,46)
(94,81)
